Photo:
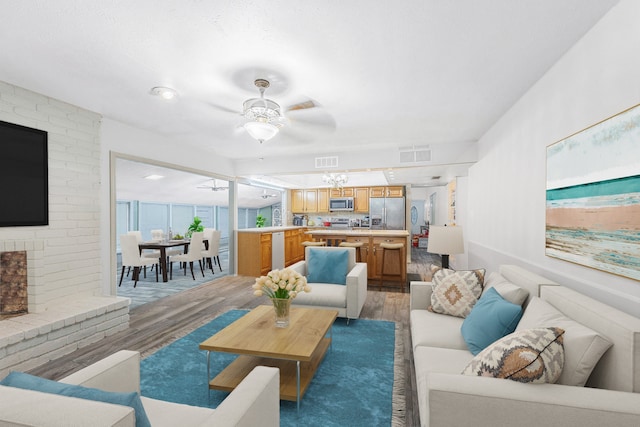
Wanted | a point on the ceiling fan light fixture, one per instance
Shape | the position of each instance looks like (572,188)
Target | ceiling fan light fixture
(261,131)
(263,116)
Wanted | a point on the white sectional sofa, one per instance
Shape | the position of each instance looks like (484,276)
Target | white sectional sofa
(448,398)
(254,402)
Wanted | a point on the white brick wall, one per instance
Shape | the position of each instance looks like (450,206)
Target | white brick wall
(66,309)
(66,262)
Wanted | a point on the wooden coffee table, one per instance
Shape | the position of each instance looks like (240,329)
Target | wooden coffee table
(296,350)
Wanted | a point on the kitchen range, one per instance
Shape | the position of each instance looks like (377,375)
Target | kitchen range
(340,223)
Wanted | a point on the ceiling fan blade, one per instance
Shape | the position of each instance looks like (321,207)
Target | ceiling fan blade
(223,108)
(318,119)
(303,105)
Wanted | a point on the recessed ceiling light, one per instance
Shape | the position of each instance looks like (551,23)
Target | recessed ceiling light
(153,177)
(164,92)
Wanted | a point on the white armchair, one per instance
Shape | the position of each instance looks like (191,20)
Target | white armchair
(347,299)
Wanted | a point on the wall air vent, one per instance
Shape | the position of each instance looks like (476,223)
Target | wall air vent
(326,162)
(415,154)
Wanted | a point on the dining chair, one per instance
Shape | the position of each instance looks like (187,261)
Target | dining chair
(145,253)
(211,255)
(131,258)
(157,234)
(194,253)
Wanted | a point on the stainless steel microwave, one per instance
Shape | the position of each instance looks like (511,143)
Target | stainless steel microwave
(341,204)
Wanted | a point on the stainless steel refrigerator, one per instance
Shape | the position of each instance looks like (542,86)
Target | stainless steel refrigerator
(387,213)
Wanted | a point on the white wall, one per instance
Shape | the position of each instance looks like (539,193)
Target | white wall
(595,79)
(69,265)
(442,206)
(461,261)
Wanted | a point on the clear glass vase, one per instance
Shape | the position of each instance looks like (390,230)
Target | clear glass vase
(281,308)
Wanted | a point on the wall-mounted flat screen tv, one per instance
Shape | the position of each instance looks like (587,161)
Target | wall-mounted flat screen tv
(24,184)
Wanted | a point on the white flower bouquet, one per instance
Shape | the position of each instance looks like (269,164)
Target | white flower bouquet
(282,284)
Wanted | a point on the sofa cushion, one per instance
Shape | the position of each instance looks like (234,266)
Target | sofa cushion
(455,292)
(491,318)
(583,346)
(506,289)
(31,382)
(323,295)
(528,356)
(327,266)
(436,330)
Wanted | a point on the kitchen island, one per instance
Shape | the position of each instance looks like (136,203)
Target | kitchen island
(370,250)
(260,250)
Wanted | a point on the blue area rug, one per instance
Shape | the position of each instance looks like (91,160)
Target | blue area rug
(352,387)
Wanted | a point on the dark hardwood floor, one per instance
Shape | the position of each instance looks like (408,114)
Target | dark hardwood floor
(158,323)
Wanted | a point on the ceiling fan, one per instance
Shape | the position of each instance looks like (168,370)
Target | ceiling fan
(264,118)
(266,195)
(213,187)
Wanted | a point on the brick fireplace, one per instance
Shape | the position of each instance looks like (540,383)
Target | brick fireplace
(21,277)
(13,283)
(34,330)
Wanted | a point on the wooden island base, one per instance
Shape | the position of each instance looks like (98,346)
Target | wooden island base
(371,252)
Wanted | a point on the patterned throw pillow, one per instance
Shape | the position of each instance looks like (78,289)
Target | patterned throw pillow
(527,356)
(455,292)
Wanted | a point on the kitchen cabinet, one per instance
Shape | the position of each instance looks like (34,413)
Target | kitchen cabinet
(289,247)
(311,200)
(297,201)
(395,191)
(254,254)
(256,249)
(391,261)
(304,201)
(342,192)
(266,253)
(361,200)
(323,200)
(293,249)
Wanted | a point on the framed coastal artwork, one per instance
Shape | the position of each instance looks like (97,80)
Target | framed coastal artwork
(593,196)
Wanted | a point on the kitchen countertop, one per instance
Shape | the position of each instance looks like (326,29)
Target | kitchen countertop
(359,232)
(328,231)
(270,229)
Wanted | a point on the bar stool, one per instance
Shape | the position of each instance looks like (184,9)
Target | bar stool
(357,245)
(312,243)
(397,247)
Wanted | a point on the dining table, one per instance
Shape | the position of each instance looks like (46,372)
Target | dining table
(162,246)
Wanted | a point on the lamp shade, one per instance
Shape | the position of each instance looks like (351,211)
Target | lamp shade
(261,131)
(445,240)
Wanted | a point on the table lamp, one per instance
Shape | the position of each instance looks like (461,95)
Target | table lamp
(445,241)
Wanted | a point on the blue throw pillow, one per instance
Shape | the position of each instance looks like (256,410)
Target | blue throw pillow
(325,266)
(491,318)
(30,382)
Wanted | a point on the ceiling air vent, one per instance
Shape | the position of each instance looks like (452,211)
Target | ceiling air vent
(326,162)
(415,154)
